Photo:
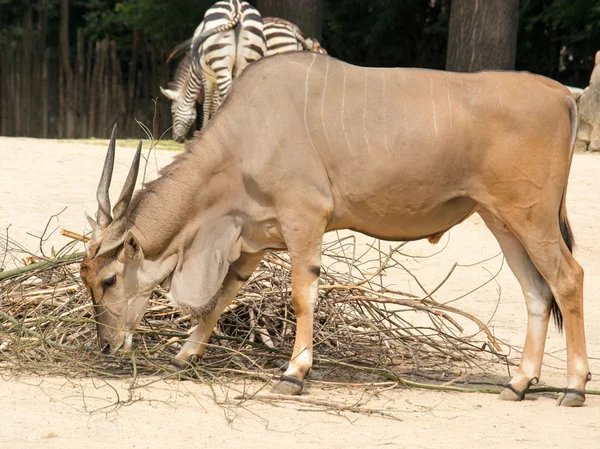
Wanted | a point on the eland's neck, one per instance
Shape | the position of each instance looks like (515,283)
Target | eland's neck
(168,210)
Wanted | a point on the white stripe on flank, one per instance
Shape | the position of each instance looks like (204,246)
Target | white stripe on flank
(343,105)
(383,104)
(365,115)
(323,104)
(306,101)
(433,107)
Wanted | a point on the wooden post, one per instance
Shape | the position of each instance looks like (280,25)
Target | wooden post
(482,35)
(81,93)
(3,91)
(43,26)
(17,58)
(68,106)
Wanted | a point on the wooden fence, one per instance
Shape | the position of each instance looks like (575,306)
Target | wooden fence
(45,93)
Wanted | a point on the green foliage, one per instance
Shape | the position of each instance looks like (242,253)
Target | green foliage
(12,13)
(170,21)
(101,18)
(559,38)
(387,32)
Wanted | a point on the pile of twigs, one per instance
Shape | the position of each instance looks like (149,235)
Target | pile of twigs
(363,330)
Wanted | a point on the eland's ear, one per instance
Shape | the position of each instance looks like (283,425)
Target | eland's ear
(170,94)
(131,252)
(93,223)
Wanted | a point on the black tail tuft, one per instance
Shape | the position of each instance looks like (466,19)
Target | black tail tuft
(567,235)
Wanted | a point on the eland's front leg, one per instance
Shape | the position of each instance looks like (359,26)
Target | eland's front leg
(237,275)
(305,282)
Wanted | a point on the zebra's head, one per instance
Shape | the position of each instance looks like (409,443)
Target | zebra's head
(314,45)
(183,111)
(184,92)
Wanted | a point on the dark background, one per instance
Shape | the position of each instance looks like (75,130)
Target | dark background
(70,68)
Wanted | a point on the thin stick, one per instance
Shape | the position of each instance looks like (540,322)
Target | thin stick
(74,235)
(71,258)
(331,405)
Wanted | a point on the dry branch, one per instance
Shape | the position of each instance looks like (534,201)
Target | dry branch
(328,405)
(361,330)
(42,265)
(74,235)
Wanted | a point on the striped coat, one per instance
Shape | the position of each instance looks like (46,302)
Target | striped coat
(229,39)
(282,36)
(192,81)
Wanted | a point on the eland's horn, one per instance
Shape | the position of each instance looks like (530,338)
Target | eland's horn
(103,214)
(120,208)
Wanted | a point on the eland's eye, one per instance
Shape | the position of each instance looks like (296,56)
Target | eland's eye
(109,282)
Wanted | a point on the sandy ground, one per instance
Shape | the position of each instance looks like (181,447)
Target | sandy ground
(39,178)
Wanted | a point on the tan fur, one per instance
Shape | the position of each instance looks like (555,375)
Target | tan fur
(306,144)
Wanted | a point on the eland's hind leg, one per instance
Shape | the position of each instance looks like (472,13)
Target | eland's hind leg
(565,278)
(539,300)
(539,231)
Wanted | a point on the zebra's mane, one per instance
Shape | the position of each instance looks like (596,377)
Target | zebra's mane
(182,73)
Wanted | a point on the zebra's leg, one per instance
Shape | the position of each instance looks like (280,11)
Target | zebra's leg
(207,105)
(224,80)
(217,100)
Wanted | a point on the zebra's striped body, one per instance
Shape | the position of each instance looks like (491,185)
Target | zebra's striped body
(229,46)
(283,36)
(229,39)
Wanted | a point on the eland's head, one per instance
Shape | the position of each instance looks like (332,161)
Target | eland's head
(168,234)
(111,268)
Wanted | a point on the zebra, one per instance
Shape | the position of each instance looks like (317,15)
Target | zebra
(226,24)
(189,88)
(229,39)
(315,46)
(283,36)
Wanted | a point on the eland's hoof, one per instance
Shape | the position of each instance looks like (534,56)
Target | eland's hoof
(288,385)
(510,394)
(570,398)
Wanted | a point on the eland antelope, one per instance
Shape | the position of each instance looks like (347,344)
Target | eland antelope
(307,144)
